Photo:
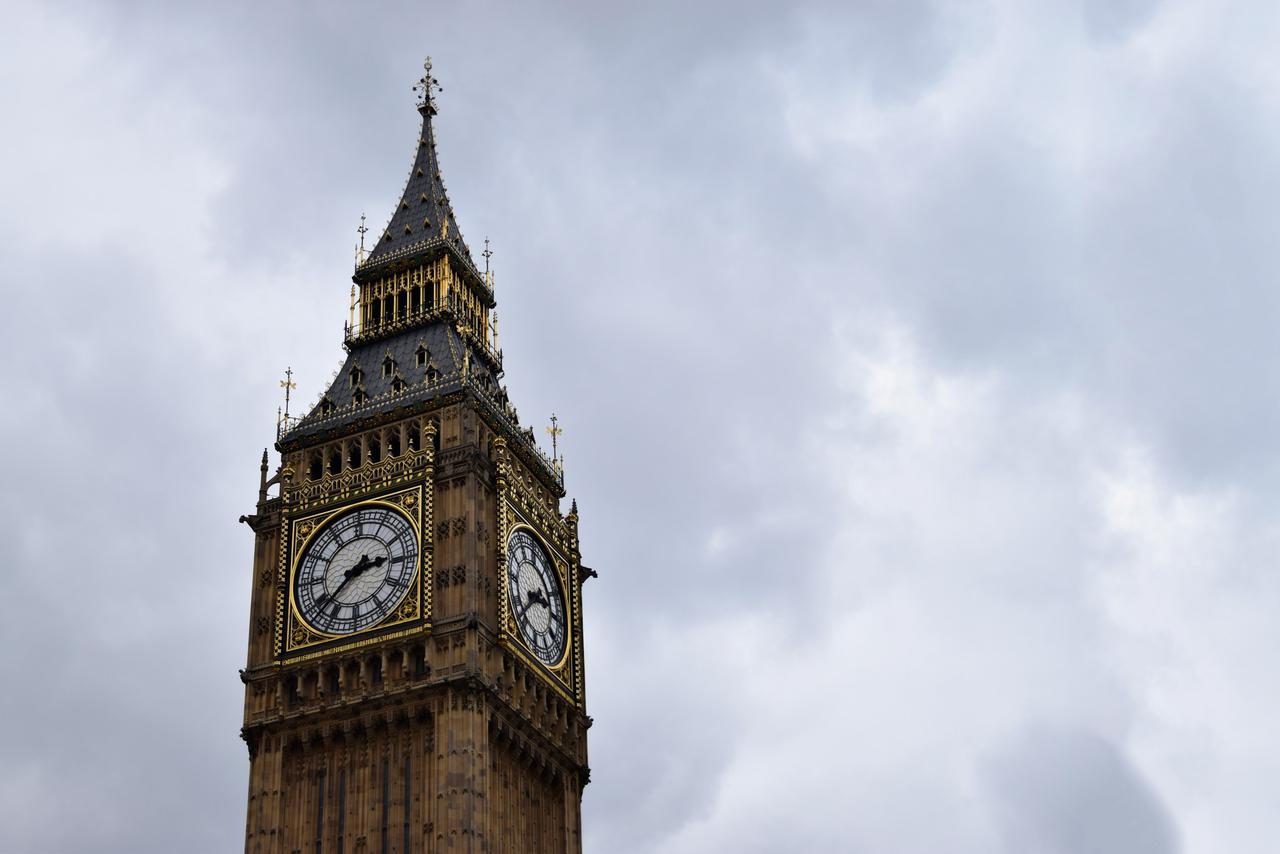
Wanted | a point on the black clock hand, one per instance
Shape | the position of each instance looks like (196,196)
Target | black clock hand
(364,563)
(539,597)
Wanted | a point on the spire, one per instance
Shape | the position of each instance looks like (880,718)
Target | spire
(423,220)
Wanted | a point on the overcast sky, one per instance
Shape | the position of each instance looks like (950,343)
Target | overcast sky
(916,363)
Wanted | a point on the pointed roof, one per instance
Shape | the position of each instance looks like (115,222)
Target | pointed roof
(423,222)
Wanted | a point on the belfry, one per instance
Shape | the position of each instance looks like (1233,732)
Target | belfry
(415,667)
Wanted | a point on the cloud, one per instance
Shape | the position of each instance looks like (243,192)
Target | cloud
(1071,791)
(914,358)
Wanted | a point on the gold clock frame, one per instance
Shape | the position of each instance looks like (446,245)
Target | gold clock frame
(560,675)
(561,566)
(297,640)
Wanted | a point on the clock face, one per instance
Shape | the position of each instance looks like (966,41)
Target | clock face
(536,602)
(356,570)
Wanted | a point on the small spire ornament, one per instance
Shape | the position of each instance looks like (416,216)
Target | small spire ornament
(488,274)
(288,385)
(555,430)
(425,88)
(360,252)
(282,418)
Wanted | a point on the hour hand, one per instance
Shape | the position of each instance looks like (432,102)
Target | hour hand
(539,597)
(364,563)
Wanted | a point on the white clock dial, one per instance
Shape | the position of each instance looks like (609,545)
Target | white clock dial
(356,570)
(536,601)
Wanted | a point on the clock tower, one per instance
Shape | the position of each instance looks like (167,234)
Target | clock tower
(415,668)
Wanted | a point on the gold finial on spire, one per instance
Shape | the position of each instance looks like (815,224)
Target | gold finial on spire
(495,331)
(351,314)
(555,430)
(362,231)
(288,385)
(425,87)
(282,418)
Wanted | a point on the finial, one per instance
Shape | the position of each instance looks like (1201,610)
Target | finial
(362,231)
(488,273)
(555,430)
(425,87)
(288,385)
(495,332)
(351,314)
(282,418)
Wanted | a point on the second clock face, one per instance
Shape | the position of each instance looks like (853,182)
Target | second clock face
(356,570)
(536,602)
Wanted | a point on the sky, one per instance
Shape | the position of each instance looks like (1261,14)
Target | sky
(915,360)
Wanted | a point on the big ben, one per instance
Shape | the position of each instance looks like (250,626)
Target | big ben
(414,679)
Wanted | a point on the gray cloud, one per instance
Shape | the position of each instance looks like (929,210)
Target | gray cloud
(915,360)
(1064,791)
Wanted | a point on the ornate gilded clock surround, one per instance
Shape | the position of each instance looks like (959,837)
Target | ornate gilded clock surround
(295,635)
(519,507)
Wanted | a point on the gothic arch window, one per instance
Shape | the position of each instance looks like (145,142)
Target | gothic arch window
(360,398)
(388,366)
(356,376)
(327,405)
(422,354)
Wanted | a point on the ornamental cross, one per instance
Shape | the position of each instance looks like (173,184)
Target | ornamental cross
(426,85)
(362,231)
(555,430)
(288,385)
